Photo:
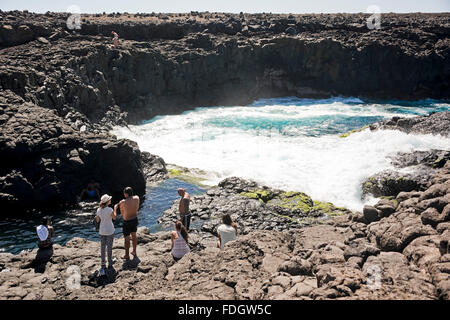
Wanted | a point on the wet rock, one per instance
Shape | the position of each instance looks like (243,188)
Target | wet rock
(371,214)
(391,183)
(253,207)
(436,123)
(430,158)
(154,167)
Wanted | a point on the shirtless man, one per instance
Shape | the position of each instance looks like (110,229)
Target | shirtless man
(115,39)
(185,214)
(129,209)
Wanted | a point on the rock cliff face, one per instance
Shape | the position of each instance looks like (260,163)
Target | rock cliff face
(46,163)
(167,64)
(401,252)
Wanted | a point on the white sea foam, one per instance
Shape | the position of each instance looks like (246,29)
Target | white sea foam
(326,167)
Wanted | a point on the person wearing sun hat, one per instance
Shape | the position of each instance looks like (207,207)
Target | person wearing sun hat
(105,216)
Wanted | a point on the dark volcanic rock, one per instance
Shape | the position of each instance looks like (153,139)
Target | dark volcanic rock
(207,59)
(420,166)
(435,123)
(46,163)
(154,167)
(430,158)
(253,207)
(391,183)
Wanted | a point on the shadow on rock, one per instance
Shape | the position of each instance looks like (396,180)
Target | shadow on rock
(131,264)
(43,256)
(96,280)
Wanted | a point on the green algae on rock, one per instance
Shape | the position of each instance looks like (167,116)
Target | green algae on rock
(262,195)
(297,203)
(194,176)
(345,135)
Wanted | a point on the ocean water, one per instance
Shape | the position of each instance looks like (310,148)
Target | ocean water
(289,143)
(19,234)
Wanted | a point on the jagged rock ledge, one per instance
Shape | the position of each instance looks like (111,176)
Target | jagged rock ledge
(434,123)
(253,206)
(420,167)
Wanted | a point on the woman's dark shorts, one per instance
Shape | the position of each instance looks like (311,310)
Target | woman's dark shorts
(129,226)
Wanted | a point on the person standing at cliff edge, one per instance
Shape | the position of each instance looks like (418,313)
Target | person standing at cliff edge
(105,216)
(129,209)
(185,214)
(115,39)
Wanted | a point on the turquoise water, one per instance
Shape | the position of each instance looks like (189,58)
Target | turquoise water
(340,115)
(17,235)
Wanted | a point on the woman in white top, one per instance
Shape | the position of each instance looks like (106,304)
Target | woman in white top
(105,215)
(179,241)
(226,231)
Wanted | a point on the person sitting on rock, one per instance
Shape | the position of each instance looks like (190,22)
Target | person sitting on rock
(226,231)
(115,39)
(105,216)
(129,208)
(92,191)
(185,213)
(179,241)
(45,233)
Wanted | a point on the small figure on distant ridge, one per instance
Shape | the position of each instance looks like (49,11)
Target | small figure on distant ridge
(115,39)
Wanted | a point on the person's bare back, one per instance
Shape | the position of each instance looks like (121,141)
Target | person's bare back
(129,207)
(184,203)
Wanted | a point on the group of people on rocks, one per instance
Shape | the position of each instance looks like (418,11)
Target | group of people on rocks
(129,207)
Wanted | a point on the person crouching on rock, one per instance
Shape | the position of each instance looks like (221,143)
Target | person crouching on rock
(226,231)
(129,208)
(185,214)
(105,215)
(115,39)
(179,241)
(91,192)
(45,233)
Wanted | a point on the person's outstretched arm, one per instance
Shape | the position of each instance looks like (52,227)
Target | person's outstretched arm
(219,241)
(172,238)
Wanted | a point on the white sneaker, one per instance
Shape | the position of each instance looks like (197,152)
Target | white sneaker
(102,271)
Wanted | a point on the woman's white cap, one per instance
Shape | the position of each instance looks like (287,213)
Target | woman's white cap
(105,198)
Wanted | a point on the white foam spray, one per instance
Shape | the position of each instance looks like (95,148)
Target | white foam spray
(326,167)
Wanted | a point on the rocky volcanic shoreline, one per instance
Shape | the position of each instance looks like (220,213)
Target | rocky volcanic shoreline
(398,250)
(62,90)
